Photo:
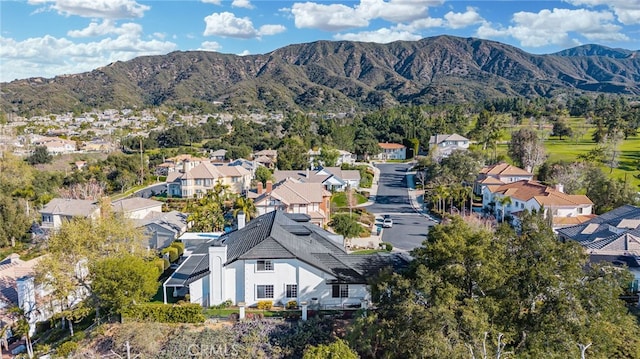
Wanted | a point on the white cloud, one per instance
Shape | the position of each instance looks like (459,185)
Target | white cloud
(458,20)
(382,36)
(105,9)
(226,24)
(49,56)
(333,17)
(244,53)
(271,29)
(215,2)
(242,3)
(338,17)
(556,27)
(210,46)
(627,11)
(94,29)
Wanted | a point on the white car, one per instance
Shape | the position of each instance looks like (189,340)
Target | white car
(387,222)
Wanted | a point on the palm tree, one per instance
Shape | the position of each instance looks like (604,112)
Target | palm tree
(245,205)
(504,202)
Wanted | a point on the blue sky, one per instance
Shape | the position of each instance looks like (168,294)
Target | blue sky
(55,37)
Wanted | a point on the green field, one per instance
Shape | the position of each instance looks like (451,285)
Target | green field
(568,149)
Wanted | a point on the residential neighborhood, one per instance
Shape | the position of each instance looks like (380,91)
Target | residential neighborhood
(293,231)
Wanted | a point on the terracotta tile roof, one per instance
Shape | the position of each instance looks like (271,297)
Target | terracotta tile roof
(491,180)
(526,190)
(504,169)
(12,268)
(390,146)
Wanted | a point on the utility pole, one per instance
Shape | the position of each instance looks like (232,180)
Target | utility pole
(141,163)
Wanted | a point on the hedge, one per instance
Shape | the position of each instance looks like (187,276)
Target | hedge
(179,246)
(163,313)
(173,253)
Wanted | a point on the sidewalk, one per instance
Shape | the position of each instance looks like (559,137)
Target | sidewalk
(416,198)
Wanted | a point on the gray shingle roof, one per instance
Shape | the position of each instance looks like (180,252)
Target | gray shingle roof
(600,228)
(277,235)
(193,268)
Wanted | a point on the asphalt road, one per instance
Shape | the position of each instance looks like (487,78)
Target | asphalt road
(409,227)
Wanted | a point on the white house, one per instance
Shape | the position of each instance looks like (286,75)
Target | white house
(499,174)
(442,145)
(391,151)
(278,257)
(343,157)
(60,209)
(512,198)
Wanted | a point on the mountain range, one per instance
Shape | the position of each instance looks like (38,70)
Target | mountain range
(333,76)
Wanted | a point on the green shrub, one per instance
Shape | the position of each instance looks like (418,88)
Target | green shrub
(292,304)
(65,349)
(173,253)
(387,246)
(226,304)
(179,246)
(166,264)
(163,313)
(265,304)
(159,262)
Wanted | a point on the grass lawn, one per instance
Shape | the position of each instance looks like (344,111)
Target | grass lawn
(339,199)
(568,149)
(368,251)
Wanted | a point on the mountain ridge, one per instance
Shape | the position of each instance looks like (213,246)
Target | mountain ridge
(333,75)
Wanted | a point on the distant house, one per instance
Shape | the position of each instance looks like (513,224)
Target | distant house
(218,155)
(136,207)
(162,228)
(442,145)
(267,158)
(499,174)
(292,196)
(61,209)
(278,257)
(332,178)
(391,151)
(343,157)
(512,198)
(612,237)
(195,182)
(55,145)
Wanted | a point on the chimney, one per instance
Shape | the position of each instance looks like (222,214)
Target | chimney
(260,188)
(269,186)
(185,166)
(559,187)
(241,220)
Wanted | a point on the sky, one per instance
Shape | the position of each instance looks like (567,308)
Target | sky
(46,38)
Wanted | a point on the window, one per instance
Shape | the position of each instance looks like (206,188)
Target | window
(340,291)
(264,291)
(47,218)
(265,266)
(579,210)
(292,291)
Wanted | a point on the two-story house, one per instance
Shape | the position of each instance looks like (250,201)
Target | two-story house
(499,174)
(195,182)
(391,151)
(512,198)
(442,145)
(343,157)
(278,257)
(63,209)
(292,196)
(332,178)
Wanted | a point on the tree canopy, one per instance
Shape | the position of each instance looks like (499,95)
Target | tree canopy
(475,292)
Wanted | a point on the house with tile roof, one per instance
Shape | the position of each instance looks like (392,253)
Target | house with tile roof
(612,237)
(293,196)
(442,145)
(61,209)
(267,158)
(195,182)
(499,174)
(509,199)
(278,257)
(332,178)
(391,151)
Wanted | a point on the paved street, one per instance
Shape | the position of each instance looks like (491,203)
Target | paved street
(409,227)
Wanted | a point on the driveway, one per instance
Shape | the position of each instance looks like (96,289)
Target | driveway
(409,227)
